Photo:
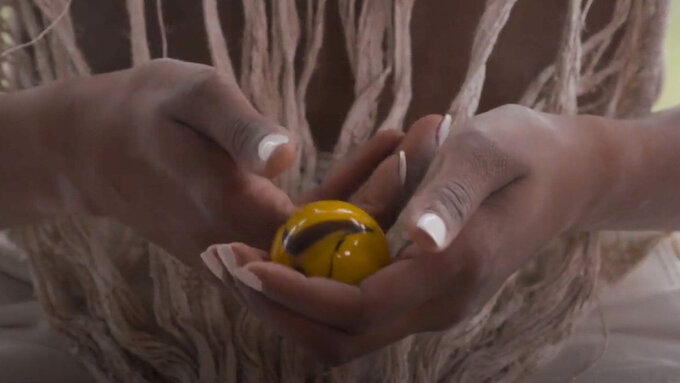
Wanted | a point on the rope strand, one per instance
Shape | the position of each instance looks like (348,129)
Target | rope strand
(188,331)
(41,35)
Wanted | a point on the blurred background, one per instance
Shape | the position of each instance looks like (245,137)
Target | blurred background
(671,92)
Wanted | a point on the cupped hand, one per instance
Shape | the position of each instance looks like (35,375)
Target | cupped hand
(379,177)
(175,151)
(497,191)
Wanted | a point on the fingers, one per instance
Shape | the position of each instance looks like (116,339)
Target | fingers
(342,306)
(326,343)
(213,267)
(344,179)
(420,145)
(385,192)
(320,299)
(468,168)
(199,198)
(222,263)
(214,106)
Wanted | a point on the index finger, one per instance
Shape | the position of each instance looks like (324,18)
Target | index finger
(386,191)
(345,178)
(213,106)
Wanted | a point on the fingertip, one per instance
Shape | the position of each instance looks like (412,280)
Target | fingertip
(227,256)
(241,261)
(429,232)
(248,278)
(269,143)
(212,263)
(276,152)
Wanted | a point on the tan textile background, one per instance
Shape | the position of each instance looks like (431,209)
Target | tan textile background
(172,327)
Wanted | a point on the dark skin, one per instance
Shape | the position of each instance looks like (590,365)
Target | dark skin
(504,186)
(174,150)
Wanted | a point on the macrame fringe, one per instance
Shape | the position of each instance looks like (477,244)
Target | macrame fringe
(135,314)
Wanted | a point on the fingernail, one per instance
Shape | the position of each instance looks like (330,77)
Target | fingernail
(249,279)
(434,226)
(212,263)
(228,257)
(269,143)
(402,167)
(443,129)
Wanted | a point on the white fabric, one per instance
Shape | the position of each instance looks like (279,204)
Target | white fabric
(642,316)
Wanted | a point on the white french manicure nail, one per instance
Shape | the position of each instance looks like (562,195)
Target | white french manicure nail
(434,226)
(269,143)
(443,129)
(228,257)
(402,167)
(248,278)
(212,263)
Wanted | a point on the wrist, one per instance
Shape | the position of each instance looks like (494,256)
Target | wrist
(634,173)
(36,183)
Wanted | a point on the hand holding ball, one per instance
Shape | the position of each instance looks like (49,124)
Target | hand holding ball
(332,239)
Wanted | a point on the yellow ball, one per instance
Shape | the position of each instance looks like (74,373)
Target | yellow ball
(332,239)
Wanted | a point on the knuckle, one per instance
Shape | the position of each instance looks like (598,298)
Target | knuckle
(164,63)
(475,139)
(155,66)
(194,84)
(241,134)
(485,155)
(203,83)
(512,109)
(455,198)
(161,69)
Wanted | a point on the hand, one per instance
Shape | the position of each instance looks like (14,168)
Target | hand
(175,151)
(499,189)
(377,179)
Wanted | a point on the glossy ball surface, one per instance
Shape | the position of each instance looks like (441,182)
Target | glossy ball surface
(332,239)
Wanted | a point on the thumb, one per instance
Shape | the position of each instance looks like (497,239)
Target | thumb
(467,169)
(215,107)
(259,145)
